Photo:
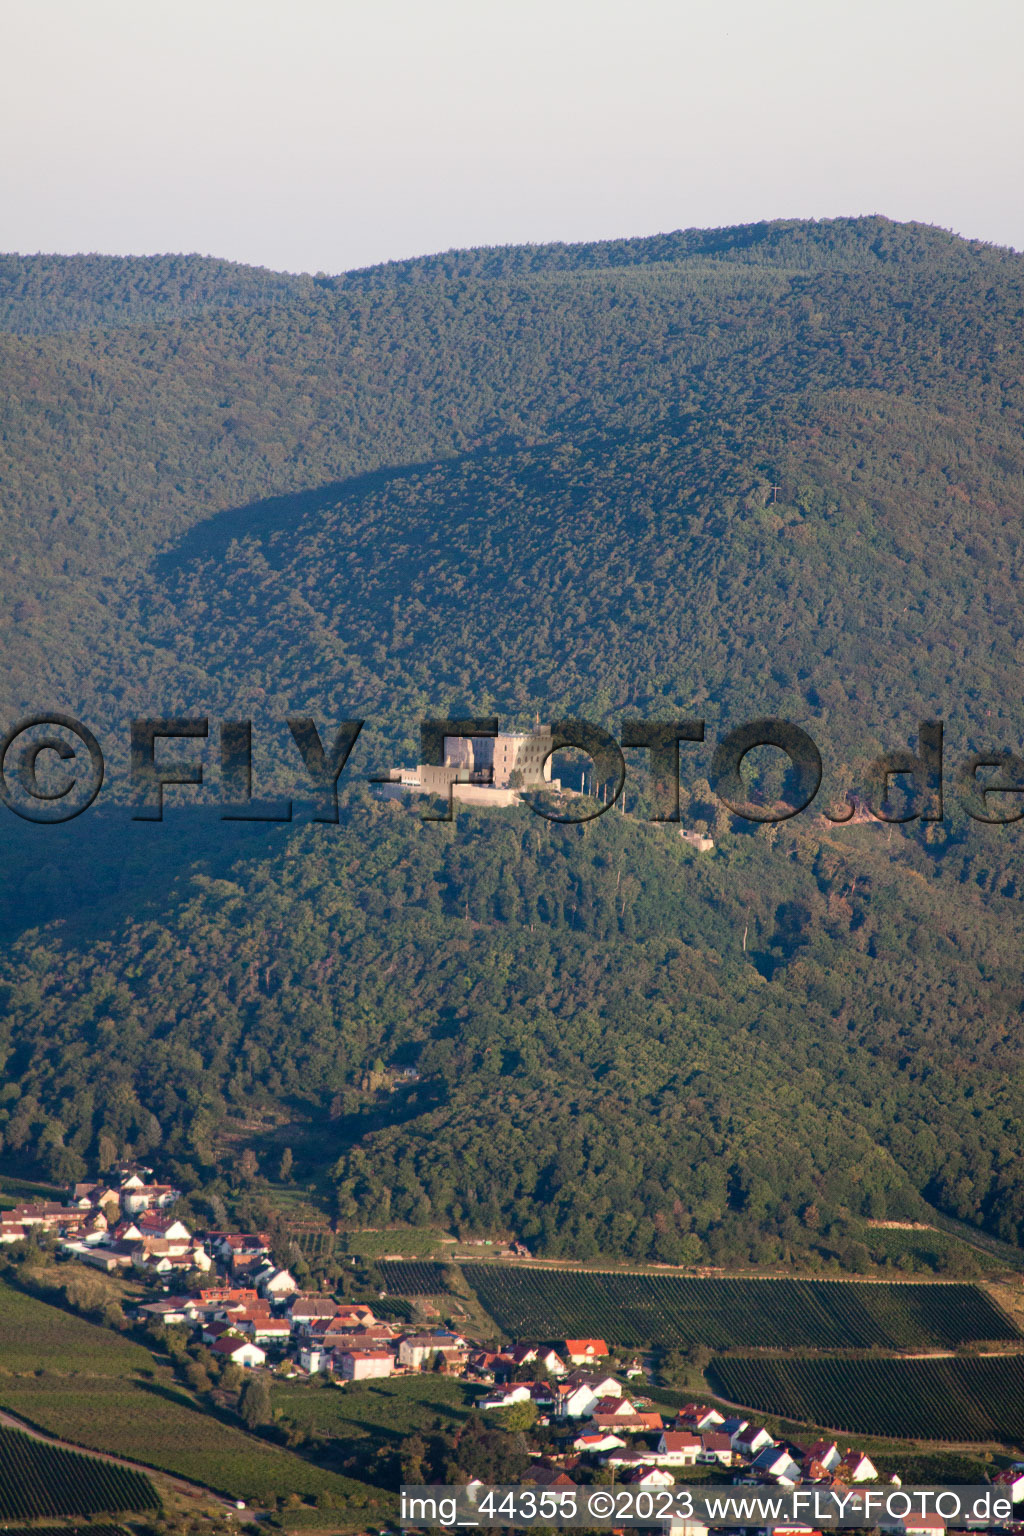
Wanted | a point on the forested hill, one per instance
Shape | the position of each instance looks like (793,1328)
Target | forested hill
(773,469)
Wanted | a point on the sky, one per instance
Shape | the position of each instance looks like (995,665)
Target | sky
(321,135)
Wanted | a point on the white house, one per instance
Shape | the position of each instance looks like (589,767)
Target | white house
(855,1467)
(825,1453)
(276,1283)
(583,1351)
(751,1441)
(361,1364)
(154,1224)
(650,1477)
(419,1350)
(239,1352)
(605,1441)
(266,1330)
(678,1448)
(314,1359)
(578,1395)
(917,1525)
(777,1463)
(704,1418)
(715,1447)
(685,1528)
(1011,1483)
(630,1460)
(503,1397)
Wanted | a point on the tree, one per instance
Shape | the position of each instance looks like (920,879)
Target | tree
(255,1405)
(519,1416)
(284,1171)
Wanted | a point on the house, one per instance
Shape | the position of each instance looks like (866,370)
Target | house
(219,1329)
(106,1259)
(614,1406)
(145,1196)
(171,1312)
(637,1424)
(678,1448)
(239,1351)
(501,1397)
(582,1351)
(168,1228)
(90,1197)
(266,1330)
(751,1440)
(418,1351)
(95,1227)
(361,1364)
(545,1476)
(44,1213)
(1011,1483)
(649,1477)
(303,1308)
(578,1395)
(627,1460)
(856,1468)
(276,1283)
(12,1231)
(695,1416)
(313,1359)
(916,1525)
(776,1463)
(517,1355)
(715,1446)
(820,1459)
(679,1527)
(732,1427)
(604,1440)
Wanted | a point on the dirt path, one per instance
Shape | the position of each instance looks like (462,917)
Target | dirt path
(179,1484)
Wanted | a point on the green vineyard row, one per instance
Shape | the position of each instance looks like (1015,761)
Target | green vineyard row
(37,1480)
(966,1398)
(672,1311)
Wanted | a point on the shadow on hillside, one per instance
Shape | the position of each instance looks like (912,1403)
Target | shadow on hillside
(211,538)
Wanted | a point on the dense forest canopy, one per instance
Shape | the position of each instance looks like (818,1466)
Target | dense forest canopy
(774,470)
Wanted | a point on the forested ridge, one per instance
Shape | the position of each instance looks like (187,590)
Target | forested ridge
(770,470)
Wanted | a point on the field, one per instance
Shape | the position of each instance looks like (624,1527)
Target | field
(957,1399)
(670,1311)
(38,1479)
(393,1408)
(928,1251)
(415,1242)
(405,1277)
(86,1384)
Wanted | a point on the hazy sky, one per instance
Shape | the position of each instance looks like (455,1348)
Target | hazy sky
(325,134)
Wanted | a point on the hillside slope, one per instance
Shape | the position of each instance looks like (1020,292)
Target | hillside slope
(773,470)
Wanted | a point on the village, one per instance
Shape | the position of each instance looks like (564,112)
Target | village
(594,1405)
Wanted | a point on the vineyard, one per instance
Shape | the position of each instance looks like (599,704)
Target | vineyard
(316,1245)
(37,1479)
(671,1311)
(64,1530)
(961,1399)
(404,1277)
